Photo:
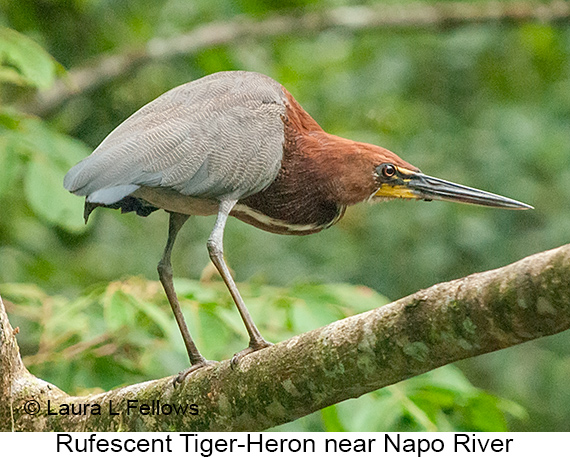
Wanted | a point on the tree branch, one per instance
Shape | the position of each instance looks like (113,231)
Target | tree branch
(448,322)
(353,18)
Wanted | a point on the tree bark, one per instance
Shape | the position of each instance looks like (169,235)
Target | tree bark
(451,321)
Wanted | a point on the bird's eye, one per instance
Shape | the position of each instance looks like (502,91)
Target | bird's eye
(387,170)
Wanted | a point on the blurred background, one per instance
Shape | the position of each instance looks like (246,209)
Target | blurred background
(485,103)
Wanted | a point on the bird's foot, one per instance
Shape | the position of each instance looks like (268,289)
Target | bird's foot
(184,373)
(253,347)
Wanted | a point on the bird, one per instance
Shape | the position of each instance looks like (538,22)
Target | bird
(237,143)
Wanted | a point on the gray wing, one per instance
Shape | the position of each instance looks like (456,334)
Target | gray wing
(217,137)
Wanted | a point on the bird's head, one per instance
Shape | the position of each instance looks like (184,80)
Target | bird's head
(368,172)
(395,178)
(361,171)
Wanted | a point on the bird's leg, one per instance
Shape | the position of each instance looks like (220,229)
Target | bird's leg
(216,251)
(176,222)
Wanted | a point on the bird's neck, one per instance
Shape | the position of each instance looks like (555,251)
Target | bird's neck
(297,202)
(344,168)
(315,182)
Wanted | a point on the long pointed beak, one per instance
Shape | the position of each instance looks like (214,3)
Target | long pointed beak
(419,186)
(430,188)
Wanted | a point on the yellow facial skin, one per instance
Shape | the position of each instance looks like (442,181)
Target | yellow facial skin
(399,187)
(396,191)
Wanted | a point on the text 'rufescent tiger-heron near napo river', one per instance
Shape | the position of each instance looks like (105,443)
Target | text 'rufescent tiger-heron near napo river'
(237,143)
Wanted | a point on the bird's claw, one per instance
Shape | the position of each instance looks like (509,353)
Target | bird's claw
(253,347)
(184,373)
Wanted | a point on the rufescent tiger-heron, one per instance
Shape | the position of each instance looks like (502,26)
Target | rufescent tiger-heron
(237,143)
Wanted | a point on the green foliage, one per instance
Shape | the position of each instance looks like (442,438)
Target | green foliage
(32,154)
(24,62)
(102,339)
(486,105)
(39,156)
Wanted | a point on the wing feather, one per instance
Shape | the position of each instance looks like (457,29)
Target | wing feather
(217,137)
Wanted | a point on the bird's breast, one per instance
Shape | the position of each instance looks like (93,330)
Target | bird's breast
(288,210)
(283,225)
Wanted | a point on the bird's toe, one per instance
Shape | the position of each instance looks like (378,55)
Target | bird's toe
(253,347)
(185,373)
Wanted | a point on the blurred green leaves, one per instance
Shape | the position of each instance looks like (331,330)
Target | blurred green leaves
(24,62)
(39,156)
(30,150)
(51,156)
